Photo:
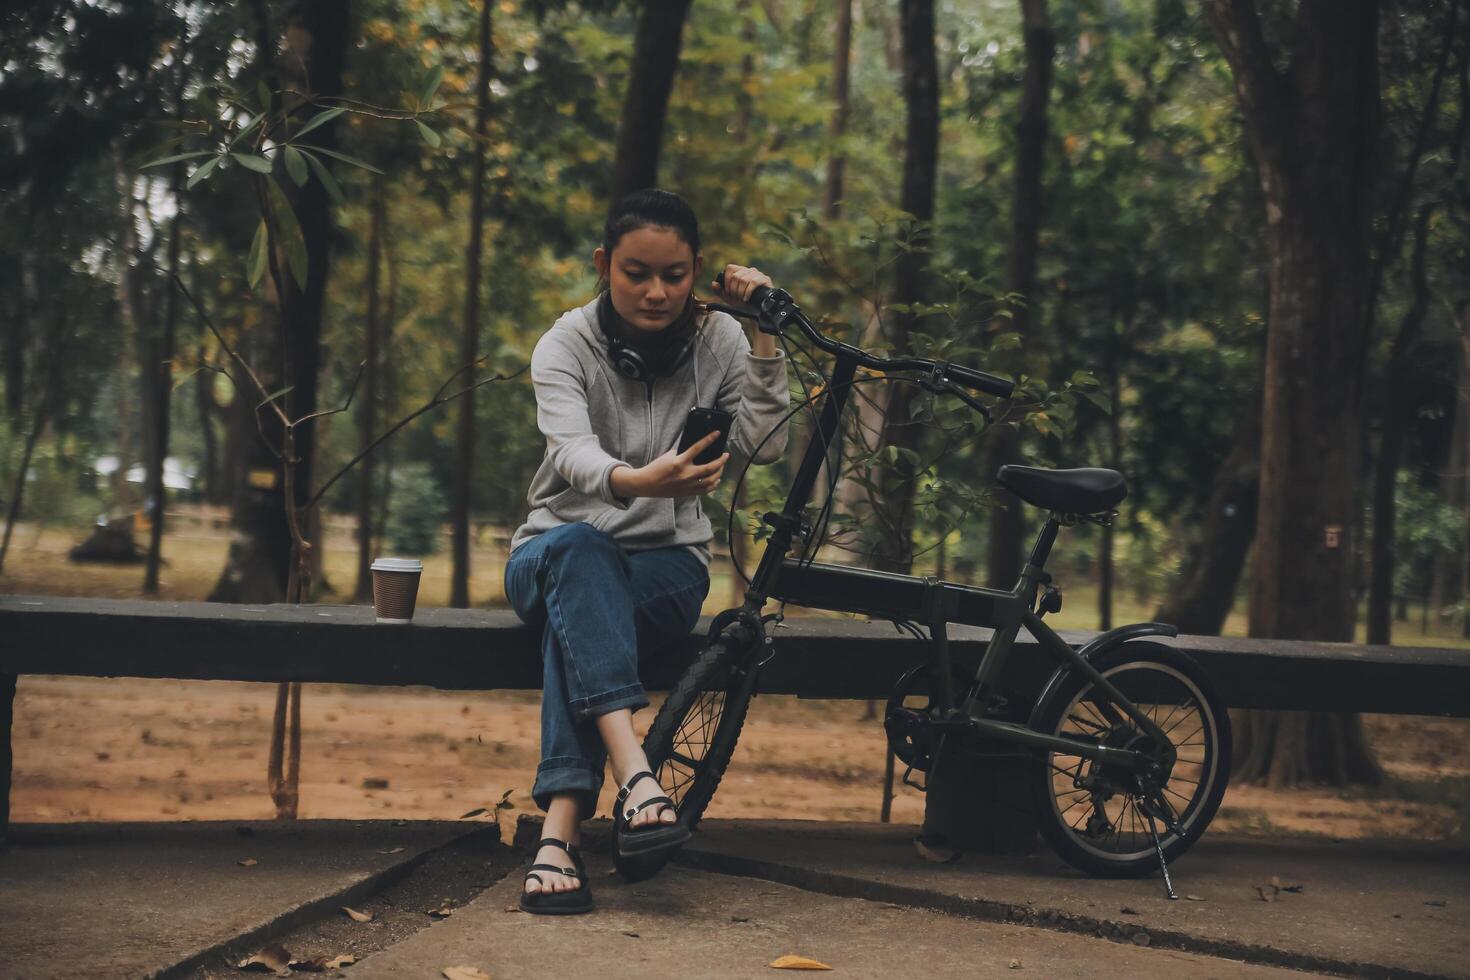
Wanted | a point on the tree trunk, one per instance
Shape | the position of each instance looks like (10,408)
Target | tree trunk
(650,80)
(1007,522)
(1313,129)
(159,371)
(896,479)
(1397,405)
(1204,592)
(367,414)
(390,389)
(1462,318)
(469,344)
(43,411)
(17,340)
(841,62)
(1445,573)
(1115,460)
(258,565)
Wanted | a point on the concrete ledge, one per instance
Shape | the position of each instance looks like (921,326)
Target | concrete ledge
(478,649)
(159,900)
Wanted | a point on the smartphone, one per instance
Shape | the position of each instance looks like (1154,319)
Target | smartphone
(701,422)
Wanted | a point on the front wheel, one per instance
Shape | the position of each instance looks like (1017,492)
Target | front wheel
(693,735)
(1097,816)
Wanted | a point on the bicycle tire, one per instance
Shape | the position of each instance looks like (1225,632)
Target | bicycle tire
(725,667)
(1136,669)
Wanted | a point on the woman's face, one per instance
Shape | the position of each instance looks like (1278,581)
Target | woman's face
(650,274)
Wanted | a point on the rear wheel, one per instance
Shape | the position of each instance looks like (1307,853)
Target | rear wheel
(1096,816)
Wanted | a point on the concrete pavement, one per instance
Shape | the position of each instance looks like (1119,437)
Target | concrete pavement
(172,900)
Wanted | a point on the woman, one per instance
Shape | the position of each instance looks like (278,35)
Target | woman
(612,562)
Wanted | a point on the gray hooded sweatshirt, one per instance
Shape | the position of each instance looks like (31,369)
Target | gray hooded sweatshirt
(595,419)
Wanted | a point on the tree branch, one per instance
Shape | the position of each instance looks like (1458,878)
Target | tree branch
(1394,229)
(335,411)
(432,403)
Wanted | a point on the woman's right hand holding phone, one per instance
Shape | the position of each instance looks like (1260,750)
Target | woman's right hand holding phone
(674,474)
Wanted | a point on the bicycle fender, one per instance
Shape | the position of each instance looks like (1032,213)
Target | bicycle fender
(1094,647)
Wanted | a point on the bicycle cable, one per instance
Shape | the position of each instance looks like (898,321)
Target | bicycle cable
(740,481)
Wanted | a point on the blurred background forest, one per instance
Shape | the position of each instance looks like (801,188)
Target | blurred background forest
(1222,246)
(1094,204)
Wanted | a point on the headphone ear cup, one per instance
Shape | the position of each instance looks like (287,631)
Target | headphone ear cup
(630,363)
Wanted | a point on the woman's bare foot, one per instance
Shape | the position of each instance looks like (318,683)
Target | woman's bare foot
(642,792)
(551,881)
(562,823)
(626,753)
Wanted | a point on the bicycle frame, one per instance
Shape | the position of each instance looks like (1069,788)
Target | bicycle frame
(933,602)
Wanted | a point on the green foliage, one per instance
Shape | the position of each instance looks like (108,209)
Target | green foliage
(1148,318)
(416,522)
(1428,528)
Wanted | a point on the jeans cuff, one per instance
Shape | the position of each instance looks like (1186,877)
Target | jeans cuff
(567,775)
(632,697)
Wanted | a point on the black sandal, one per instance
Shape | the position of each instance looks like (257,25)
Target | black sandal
(569,902)
(657,838)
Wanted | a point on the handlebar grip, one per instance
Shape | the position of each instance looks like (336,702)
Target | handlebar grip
(757,295)
(980,381)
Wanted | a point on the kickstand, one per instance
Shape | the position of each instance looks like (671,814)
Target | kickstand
(1152,832)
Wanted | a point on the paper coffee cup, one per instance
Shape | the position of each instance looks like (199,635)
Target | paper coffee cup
(396,588)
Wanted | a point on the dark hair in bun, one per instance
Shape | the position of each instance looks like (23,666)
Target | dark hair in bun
(651,207)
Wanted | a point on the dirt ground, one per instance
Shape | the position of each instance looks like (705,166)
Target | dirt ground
(133,749)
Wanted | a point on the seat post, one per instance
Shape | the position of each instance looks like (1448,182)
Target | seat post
(1035,567)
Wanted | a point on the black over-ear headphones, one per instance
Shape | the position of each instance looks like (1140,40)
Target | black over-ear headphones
(638,366)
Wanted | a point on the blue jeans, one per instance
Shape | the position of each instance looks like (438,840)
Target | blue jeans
(598,608)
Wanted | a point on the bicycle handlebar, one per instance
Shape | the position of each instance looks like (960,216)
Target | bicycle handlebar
(774,308)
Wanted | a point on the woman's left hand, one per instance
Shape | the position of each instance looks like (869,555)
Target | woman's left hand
(740,282)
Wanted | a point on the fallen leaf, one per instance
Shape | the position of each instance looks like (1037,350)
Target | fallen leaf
(321,964)
(1294,889)
(464,973)
(273,959)
(631,935)
(357,916)
(374,782)
(739,918)
(1015,964)
(248,863)
(939,855)
(443,913)
(514,908)
(392,850)
(1193,898)
(1438,903)
(792,962)
(1128,911)
(1268,893)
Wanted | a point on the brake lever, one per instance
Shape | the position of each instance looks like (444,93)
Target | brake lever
(969,399)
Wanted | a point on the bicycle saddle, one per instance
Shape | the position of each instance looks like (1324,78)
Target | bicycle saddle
(1089,490)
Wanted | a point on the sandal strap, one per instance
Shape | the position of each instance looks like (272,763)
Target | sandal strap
(571,849)
(632,781)
(569,872)
(659,800)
